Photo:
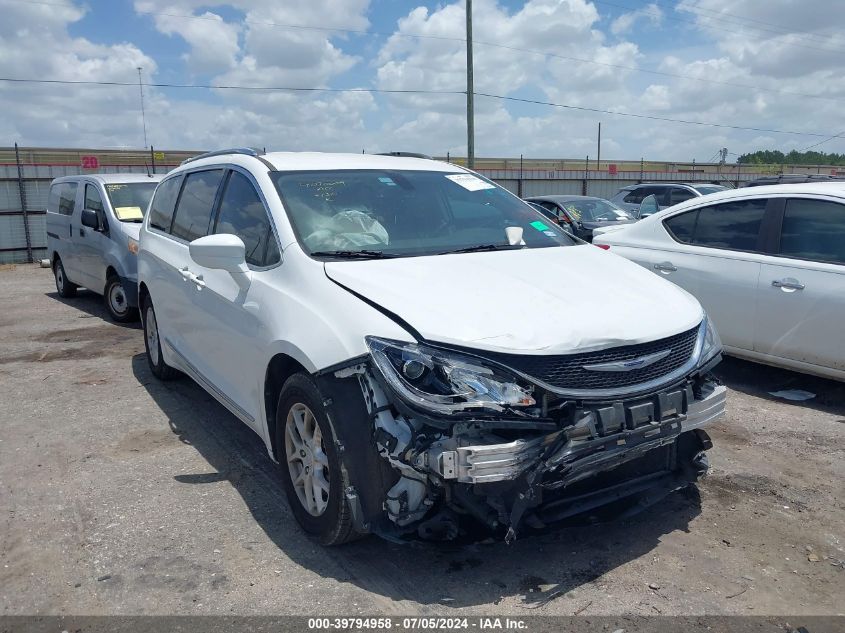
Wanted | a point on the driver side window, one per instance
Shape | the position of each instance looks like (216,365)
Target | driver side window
(242,213)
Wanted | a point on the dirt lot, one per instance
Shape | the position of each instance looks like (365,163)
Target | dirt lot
(123,495)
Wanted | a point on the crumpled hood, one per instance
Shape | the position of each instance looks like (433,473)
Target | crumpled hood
(543,300)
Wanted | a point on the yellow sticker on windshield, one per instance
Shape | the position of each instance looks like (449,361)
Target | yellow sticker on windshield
(129,213)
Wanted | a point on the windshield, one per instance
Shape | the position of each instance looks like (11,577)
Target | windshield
(130,199)
(596,210)
(406,213)
(705,189)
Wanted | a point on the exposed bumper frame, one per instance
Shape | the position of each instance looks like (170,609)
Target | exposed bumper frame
(486,463)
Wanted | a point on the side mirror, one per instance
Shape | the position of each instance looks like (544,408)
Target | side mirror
(223,251)
(648,207)
(90,219)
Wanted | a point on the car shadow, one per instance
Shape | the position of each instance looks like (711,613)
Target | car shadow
(759,380)
(92,305)
(535,569)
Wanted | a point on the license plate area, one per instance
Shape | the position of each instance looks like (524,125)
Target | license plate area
(648,411)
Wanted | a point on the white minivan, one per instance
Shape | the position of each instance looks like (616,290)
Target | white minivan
(418,348)
(92,236)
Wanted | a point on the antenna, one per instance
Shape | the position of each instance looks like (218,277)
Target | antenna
(143,114)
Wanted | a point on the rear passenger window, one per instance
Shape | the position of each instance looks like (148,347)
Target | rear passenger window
(67,198)
(730,225)
(193,212)
(813,229)
(681,195)
(53,198)
(164,201)
(242,213)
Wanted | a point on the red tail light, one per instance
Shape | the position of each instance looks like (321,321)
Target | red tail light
(603,246)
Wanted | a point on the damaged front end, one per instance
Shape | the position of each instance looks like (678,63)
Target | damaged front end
(508,440)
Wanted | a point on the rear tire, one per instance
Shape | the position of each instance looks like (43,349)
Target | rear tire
(64,286)
(117,304)
(308,456)
(152,342)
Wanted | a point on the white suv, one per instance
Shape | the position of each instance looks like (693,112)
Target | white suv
(417,347)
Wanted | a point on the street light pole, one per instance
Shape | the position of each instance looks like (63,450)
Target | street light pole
(470,91)
(143,114)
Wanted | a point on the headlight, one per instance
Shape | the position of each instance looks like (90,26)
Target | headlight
(711,345)
(132,245)
(445,382)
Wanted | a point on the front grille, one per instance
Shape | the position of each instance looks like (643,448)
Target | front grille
(567,371)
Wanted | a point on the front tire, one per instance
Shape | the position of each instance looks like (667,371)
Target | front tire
(313,478)
(117,303)
(64,286)
(152,341)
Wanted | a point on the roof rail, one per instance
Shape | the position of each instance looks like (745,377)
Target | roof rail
(247,151)
(405,155)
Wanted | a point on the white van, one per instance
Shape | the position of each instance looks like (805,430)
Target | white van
(420,349)
(92,236)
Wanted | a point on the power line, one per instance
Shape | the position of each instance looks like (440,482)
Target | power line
(697,10)
(645,11)
(225,87)
(483,43)
(649,116)
(385,91)
(837,135)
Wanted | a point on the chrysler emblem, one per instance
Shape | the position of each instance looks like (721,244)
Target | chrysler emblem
(629,365)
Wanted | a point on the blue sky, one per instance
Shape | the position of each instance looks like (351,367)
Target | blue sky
(732,63)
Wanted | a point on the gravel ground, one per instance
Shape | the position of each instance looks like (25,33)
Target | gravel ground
(123,495)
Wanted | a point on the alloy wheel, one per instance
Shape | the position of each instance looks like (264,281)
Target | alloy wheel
(307,461)
(151,332)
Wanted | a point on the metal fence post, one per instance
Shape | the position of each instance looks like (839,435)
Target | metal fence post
(586,175)
(519,182)
(22,192)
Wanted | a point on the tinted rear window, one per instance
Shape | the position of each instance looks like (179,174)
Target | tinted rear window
(731,225)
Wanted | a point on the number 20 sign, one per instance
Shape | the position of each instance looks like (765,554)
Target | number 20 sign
(90,162)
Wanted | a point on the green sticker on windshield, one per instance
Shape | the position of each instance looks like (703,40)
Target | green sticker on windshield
(539,226)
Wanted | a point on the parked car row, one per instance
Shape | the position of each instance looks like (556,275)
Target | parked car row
(408,340)
(767,263)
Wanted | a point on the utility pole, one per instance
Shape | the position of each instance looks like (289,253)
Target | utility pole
(143,114)
(470,91)
(598,152)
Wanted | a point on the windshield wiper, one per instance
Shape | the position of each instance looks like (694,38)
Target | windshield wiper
(481,247)
(363,254)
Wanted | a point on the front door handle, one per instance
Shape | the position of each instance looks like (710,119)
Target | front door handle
(788,284)
(81,232)
(665,267)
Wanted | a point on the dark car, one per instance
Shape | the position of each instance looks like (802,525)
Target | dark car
(666,194)
(581,214)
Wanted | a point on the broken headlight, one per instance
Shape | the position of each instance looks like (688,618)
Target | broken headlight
(445,382)
(711,345)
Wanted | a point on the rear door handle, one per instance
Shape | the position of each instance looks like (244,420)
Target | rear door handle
(788,284)
(665,267)
(81,232)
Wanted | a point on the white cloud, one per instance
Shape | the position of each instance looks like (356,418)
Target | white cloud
(625,22)
(234,42)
